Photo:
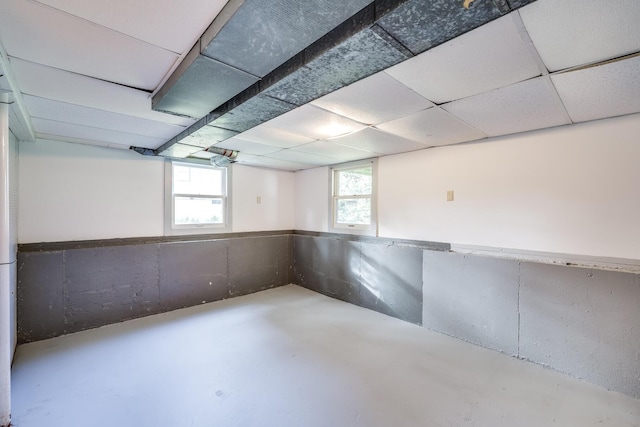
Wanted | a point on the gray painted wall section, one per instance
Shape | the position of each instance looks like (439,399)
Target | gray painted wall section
(71,290)
(583,322)
(378,276)
(472,298)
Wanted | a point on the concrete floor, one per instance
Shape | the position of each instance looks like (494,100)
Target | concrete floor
(291,357)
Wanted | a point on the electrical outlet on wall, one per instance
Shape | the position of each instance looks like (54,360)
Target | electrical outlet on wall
(258,199)
(450,196)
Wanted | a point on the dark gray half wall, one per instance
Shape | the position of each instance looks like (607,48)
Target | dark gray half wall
(87,286)
(374,275)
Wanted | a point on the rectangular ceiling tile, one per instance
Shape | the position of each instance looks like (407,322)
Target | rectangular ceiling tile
(204,86)
(486,58)
(266,162)
(368,100)
(41,34)
(570,33)
(377,141)
(270,136)
(174,26)
(340,153)
(46,82)
(315,123)
(360,56)
(608,90)
(263,35)
(432,127)
(75,114)
(304,158)
(247,147)
(421,25)
(80,132)
(521,107)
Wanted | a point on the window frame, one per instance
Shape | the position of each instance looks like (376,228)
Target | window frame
(370,229)
(170,227)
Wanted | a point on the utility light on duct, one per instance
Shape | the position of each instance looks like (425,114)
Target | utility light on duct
(223,157)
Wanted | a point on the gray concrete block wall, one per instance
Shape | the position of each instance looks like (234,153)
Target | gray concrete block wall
(259,263)
(69,290)
(584,322)
(108,285)
(191,273)
(472,298)
(378,276)
(40,295)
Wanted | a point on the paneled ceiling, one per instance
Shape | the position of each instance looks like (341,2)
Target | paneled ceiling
(416,74)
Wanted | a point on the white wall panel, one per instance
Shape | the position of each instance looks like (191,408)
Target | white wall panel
(275,209)
(569,190)
(77,192)
(312,199)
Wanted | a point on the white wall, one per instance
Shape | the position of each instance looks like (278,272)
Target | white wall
(312,199)
(276,210)
(573,189)
(80,192)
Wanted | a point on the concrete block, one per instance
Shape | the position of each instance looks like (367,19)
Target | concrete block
(110,284)
(304,272)
(391,280)
(285,262)
(254,263)
(583,322)
(191,273)
(472,298)
(337,267)
(40,296)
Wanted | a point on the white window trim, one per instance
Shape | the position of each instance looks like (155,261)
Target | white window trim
(188,229)
(364,230)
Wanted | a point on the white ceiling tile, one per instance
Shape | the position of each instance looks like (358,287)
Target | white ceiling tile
(314,122)
(180,151)
(270,136)
(608,90)
(304,158)
(172,25)
(46,82)
(432,127)
(569,33)
(248,147)
(375,99)
(521,107)
(70,113)
(46,128)
(340,153)
(38,33)
(377,141)
(267,162)
(486,58)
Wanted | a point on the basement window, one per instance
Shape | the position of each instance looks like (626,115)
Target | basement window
(353,198)
(198,198)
